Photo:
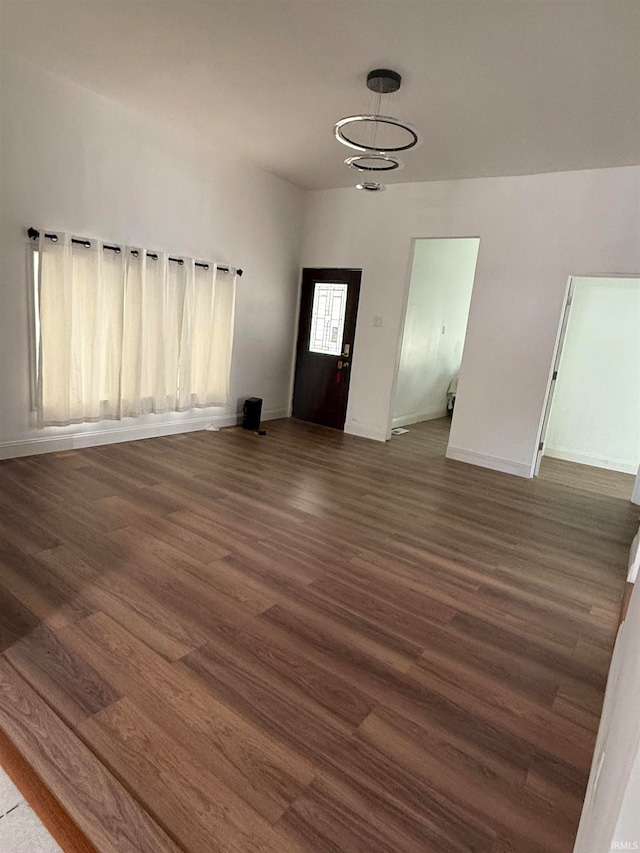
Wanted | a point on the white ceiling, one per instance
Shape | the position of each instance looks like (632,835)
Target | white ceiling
(496,88)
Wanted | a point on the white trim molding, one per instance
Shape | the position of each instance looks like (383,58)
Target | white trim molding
(506,466)
(621,465)
(418,417)
(634,559)
(364,431)
(95,438)
(635,497)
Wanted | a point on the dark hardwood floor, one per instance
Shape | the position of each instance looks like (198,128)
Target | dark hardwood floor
(307,642)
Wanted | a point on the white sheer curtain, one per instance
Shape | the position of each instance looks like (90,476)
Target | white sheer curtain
(205,365)
(153,305)
(80,300)
(128,333)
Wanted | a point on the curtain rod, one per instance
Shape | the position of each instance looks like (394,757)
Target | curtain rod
(34,234)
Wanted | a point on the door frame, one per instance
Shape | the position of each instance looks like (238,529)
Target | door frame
(635,496)
(294,353)
(555,363)
(553,375)
(405,305)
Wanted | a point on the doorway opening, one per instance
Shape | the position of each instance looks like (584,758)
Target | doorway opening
(591,425)
(326,331)
(435,325)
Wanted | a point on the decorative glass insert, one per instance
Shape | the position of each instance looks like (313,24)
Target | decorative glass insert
(327,317)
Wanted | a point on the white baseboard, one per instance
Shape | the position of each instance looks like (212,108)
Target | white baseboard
(506,466)
(418,417)
(588,459)
(95,438)
(363,431)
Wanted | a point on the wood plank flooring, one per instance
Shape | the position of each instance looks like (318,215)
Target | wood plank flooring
(307,642)
(587,478)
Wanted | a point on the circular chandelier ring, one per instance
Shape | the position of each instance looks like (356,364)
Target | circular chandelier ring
(341,135)
(370,186)
(387,164)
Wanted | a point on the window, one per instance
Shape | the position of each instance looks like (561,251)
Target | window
(121,332)
(327,318)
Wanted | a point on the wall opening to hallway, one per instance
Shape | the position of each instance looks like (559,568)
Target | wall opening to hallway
(594,415)
(435,326)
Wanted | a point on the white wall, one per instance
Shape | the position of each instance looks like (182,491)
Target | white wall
(627,831)
(611,811)
(595,416)
(74,161)
(534,232)
(434,327)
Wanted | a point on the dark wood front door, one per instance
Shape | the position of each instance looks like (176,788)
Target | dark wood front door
(328,309)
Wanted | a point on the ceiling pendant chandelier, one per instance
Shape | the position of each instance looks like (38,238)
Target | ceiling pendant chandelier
(377,137)
(370,186)
(375,162)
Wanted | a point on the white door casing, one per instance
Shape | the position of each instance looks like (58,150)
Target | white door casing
(562,331)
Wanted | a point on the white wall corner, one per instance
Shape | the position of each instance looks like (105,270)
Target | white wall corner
(77,440)
(365,431)
(506,466)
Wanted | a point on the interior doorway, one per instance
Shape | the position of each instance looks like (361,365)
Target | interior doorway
(435,325)
(592,414)
(326,331)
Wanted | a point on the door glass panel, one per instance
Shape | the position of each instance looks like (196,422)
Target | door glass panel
(327,317)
